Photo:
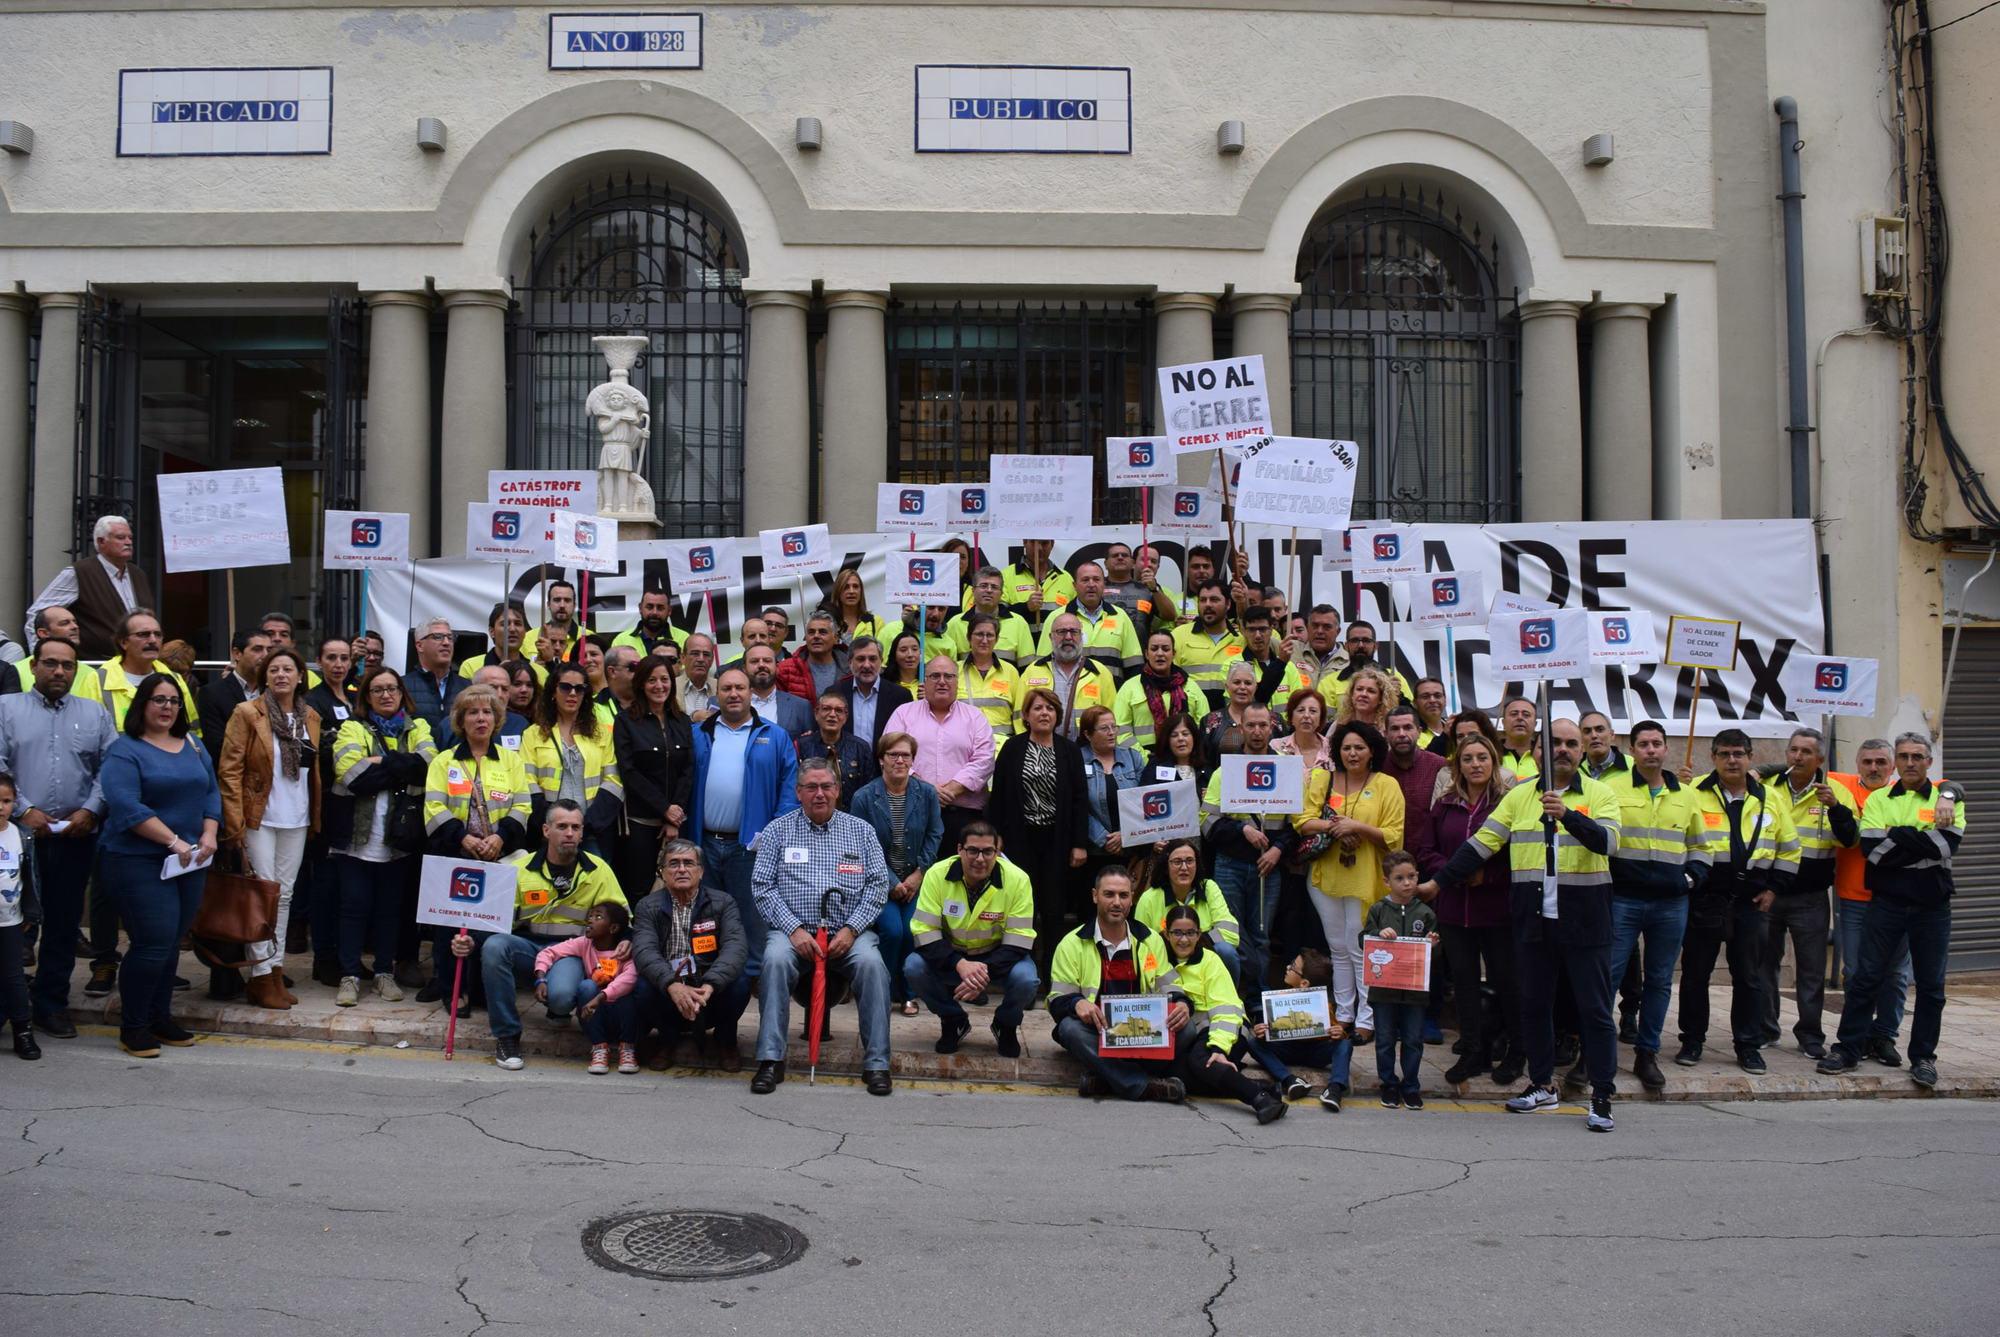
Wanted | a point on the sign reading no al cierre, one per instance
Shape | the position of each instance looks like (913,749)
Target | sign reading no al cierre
(624,41)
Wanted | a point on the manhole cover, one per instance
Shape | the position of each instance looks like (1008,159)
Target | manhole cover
(691,1245)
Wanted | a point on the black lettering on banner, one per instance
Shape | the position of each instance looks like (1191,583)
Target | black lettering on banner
(1551,558)
(1595,580)
(1714,695)
(1614,694)
(1642,686)
(1576,691)
(1764,678)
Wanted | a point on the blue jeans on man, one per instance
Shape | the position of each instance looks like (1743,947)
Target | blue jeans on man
(1399,1025)
(506,962)
(1662,924)
(63,864)
(1891,927)
(726,867)
(935,988)
(1124,1077)
(1895,991)
(782,968)
(1255,907)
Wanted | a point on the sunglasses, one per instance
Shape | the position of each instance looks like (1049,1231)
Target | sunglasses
(570,688)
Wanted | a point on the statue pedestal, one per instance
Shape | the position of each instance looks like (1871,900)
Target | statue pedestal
(635,529)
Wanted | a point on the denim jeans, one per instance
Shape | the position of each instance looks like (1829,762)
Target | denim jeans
(893,932)
(157,912)
(63,863)
(1254,910)
(1125,1078)
(506,962)
(615,1021)
(1662,924)
(725,1008)
(726,867)
(1890,928)
(1277,1056)
(1399,1024)
(935,988)
(783,967)
(371,909)
(1895,991)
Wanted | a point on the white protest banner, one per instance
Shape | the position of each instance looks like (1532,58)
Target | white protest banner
(1538,647)
(1623,637)
(1505,603)
(1041,496)
(212,521)
(1139,461)
(357,540)
(695,566)
(967,506)
(1212,404)
(585,542)
(543,491)
(1832,686)
(1273,784)
(1147,813)
(796,551)
(1387,552)
(1336,550)
(507,533)
(1297,1014)
(910,508)
(1447,599)
(1296,480)
(466,893)
(1702,642)
(1190,513)
(921,578)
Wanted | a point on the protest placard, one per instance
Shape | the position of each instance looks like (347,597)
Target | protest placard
(1387,552)
(1398,963)
(1214,404)
(1149,813)
(466,893)
(507,533)
(1834,686)
(1447,599)
(229,518)
(1540,647)
(796,551)
(695,566)
(543,492)
(1135,1026)
(1336,550)
(1296,480)
(1701,642)
(1623,637)
(1505,603)
(1139,461)
(1274,784)
(357,540)
(1297,1014)
(1188,513)
(1041,496)
(910,508)
(968,505)
(916,578)
(585,542)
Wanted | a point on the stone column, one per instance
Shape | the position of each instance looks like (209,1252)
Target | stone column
(777,415)
(55,438)
(398,476)
(854,444)
(1551,412)
(475,408)
(1185,333)
(15,308)
(1264,325)
(1621,412)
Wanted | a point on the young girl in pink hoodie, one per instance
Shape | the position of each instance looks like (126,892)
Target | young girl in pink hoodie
(605,1008)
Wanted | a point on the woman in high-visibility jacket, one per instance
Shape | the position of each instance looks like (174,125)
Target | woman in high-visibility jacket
(1209,1047)
(985,680)
(1159,690)
(1183,884)
(569,753)
(477,800)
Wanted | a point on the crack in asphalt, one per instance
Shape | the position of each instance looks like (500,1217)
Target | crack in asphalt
(839,1149)
(162,1299)
(1208,1305)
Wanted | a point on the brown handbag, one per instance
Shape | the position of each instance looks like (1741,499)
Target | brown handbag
(237,908)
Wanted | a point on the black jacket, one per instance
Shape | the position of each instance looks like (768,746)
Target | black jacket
(655,763)
(854,758)
(215,703)
(889,695)
(714,915)
(1005,809)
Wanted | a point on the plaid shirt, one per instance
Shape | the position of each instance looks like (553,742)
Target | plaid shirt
(798,861)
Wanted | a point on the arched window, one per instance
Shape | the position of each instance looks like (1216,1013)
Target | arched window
(1403,342)
(637,257)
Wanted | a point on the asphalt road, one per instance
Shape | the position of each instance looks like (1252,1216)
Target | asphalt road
(247,1187)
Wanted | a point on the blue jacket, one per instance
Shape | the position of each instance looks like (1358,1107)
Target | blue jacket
(433,706)
(923,819)
(770,786)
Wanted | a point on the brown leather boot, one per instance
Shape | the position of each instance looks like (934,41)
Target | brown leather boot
(284,990)
(266,991)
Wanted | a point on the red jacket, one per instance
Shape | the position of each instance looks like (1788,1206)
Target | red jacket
(795,675)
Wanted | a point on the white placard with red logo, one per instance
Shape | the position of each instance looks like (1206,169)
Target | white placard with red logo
(1041,496)
(213,521)
(1273,784)
(1336,550)
(357,540)
(797,550)
(466,893)
(694,566)
(585,542)
(969,506)
(1701,642)
(911,508)
(1148,813)
(507,532)
(1505,603)
(1830,685)
(1537,647)
(1387,552)
(1447,599)
(912,578)
(1297,480)
(1624,636)
(1139,461)
(545,491)
(1186,513)
(1215,405)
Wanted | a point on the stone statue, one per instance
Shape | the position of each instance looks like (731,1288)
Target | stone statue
(623,421)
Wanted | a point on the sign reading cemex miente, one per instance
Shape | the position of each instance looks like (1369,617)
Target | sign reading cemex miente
(208,113)
(624,41)
(1023,109)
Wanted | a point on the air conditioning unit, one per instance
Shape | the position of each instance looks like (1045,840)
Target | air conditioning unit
(1885,256)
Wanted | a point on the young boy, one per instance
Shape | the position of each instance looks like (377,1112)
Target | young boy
(14,900)
(1310,969)
(1399,1013)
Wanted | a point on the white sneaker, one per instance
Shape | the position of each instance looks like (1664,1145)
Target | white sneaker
(507,1052)
(387,989)
(1534,1100)
(1599,1119)
(350,991)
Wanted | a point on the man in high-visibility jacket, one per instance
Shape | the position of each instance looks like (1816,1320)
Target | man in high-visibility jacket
(1659,846)
(1911,832)
(1208,645)
(1037,586)
(561,623)
(1603,761)
(1277,676)
(1518,726)
(118,679)
(974,929)
(1016,643)
(1076,682)
(1559,843)
(1874,768)
(1826,820)
(1110,955)
(1751,853)
(1109,637)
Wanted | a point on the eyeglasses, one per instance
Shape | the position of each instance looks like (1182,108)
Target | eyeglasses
(436,636)
(976,852)
(570,688)
(174,700)
(1183,933)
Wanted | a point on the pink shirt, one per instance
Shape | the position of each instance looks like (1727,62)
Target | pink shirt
(956,748)
(584,950)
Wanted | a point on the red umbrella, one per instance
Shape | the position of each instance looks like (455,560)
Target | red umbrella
(816,1019)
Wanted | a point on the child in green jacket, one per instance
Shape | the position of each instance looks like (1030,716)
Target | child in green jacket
(1399,1013)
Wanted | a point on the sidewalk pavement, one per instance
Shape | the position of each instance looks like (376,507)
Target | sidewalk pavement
(1968,1053)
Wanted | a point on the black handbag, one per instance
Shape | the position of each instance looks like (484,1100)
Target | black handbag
(404,823)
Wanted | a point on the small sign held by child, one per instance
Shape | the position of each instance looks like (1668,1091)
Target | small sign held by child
(1297,1014)
(1400,963)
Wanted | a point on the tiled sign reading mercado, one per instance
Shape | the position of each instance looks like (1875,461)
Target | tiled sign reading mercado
(1023,109)
(201,113)
(624,41)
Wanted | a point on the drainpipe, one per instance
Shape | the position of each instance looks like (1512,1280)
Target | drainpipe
(1791,196)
